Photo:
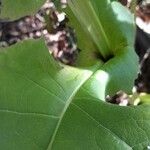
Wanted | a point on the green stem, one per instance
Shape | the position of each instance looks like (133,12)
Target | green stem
(133,6)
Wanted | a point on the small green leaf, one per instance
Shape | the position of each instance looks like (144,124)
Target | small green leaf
(14,9)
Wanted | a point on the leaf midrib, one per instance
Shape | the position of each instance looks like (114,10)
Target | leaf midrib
(68,102)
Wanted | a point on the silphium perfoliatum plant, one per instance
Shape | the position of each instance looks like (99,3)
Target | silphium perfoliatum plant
(48,106)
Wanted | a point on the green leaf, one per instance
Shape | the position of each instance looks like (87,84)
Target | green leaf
(14,9)
(45,106)
(110,25)
(90,124)
(84,42)
(120,71)
(116,74)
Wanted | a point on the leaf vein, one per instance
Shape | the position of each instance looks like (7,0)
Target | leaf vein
(28,113)
(92,118)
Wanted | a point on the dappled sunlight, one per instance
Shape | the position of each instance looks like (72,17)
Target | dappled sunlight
(102,78)
(98,83)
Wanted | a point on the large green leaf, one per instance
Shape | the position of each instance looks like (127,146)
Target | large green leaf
(14,9)
(44,106)
(47,106)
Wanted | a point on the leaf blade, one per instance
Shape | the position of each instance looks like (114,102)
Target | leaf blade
(19,8)
(33,85)
(100,20)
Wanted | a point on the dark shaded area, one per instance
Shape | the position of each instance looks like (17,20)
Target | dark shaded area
(100,57)
(142,43)
(142,47)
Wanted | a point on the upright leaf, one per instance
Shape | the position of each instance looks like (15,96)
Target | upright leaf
(110,25)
